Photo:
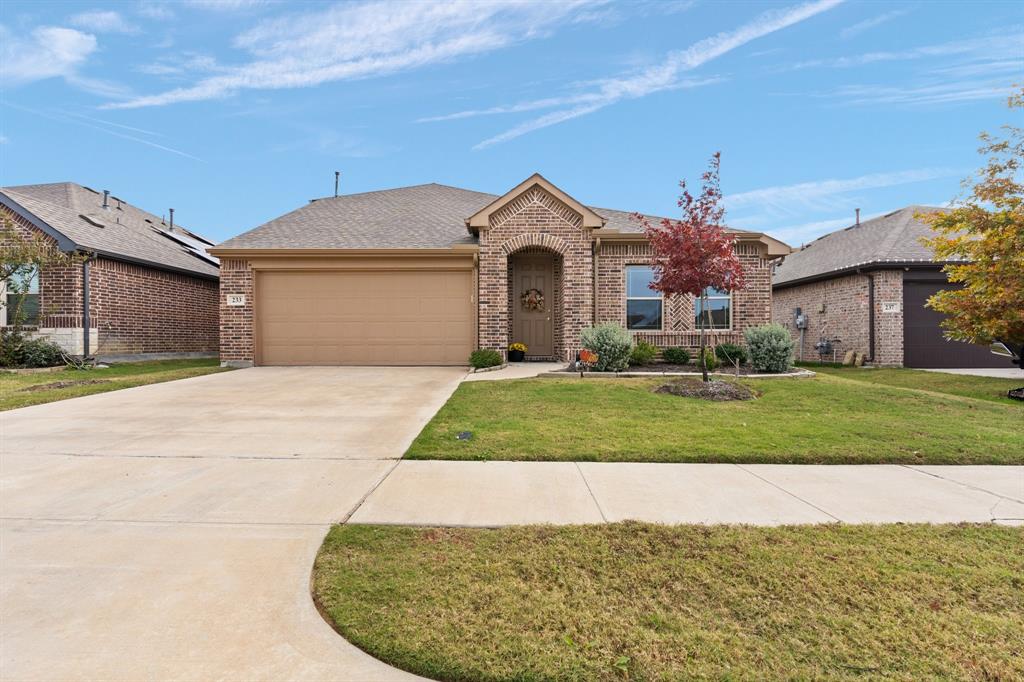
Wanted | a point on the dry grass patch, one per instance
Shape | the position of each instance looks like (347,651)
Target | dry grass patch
(646,602)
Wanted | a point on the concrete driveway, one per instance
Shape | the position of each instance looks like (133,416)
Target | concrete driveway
(167,531)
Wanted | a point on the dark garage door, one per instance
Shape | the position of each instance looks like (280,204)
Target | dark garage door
(923,342)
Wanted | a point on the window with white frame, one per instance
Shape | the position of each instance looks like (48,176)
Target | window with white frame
(715,308)
(21,297)
(644,305)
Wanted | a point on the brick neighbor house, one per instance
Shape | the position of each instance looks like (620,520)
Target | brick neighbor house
(423,275)
(147,287)
(864,288)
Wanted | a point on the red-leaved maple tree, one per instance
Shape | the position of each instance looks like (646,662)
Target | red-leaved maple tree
(696,252)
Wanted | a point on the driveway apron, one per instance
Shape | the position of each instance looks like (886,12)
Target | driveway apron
(167,531)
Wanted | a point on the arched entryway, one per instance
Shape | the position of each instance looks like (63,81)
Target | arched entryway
(535,302)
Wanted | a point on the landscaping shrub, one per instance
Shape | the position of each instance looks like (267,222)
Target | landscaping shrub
(676,356)
(730,353)
(485,357)
(770,347)
(710,359)
(18,351)
(612,343)
(643,353)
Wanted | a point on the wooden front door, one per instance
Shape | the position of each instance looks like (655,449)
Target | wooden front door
(533,303)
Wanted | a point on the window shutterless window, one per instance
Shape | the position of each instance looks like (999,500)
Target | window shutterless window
(716,310)
(22,294)
(643,304)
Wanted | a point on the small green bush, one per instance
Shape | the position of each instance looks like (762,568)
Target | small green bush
(710,359)
(643,353)
(771,348)
(612,343)
(730,353)
(485,357)
(675,356)
(16,350)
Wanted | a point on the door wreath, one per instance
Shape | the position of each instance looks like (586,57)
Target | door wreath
(533,300)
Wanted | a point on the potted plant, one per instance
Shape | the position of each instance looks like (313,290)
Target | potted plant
(517,352)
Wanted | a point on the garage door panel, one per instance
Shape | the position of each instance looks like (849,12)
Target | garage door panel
(924,344)
(364,318)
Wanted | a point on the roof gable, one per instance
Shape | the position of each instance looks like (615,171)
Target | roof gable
(482,218)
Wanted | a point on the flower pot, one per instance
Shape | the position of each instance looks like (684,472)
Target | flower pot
(516,356)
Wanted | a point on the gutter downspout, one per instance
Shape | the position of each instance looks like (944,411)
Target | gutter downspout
(85,307)
(871,317)
(597,250)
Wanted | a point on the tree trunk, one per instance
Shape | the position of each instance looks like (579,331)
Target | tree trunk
(703,312)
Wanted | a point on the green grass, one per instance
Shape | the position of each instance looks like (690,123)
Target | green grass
(983,388)
(645,602)
(825,419)
(16,390)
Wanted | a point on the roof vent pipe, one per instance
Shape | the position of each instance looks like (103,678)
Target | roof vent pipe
(337,178)
(172,219)
(858,216)
(106,197)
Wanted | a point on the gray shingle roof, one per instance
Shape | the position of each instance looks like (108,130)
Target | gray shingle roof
(892,238)
(128,232)
(420,217)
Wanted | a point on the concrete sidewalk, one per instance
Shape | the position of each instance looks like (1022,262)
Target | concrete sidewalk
(429,493)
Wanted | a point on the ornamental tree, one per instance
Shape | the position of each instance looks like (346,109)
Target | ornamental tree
(982,242)
(695,252)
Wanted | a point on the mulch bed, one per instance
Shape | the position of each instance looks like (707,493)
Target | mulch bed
(63,384)
(717,391)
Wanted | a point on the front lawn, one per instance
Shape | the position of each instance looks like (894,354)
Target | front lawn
(825,419)
(984,388)
(646,602)
(21,390)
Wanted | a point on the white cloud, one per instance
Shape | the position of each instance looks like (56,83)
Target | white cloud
(361,40)
(942,93)
(861,26)
(225,5)
(819,193)
(155,10)
(46,52)
(666,75)
(996,46)
(103,21)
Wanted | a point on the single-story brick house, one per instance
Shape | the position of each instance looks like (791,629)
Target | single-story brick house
(866,285)
(147,286)
(423,275)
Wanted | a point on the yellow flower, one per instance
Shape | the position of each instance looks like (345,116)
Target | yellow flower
(518,346)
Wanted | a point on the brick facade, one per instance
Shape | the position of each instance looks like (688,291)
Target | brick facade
(838,308)
(132,308)
(236,322)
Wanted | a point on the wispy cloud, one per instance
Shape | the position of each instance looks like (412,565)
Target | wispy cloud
(45,52)
(856,29)
(803,195)
(663,76)
(996,46)
(941,93)
(103,126)
(362,40)
(103,21)
(226,5)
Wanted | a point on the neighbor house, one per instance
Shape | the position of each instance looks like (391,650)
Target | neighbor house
(864,288)
(423,275)
(144,286)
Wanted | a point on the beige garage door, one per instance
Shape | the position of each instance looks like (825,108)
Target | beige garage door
(364,318)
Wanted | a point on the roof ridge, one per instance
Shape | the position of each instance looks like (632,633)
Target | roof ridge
(395,189)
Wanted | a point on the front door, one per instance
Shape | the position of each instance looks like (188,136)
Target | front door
(533,301)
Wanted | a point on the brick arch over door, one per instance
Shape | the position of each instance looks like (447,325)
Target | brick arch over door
(535,239)
(555,299)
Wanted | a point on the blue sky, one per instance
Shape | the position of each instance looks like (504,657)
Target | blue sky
(236,111)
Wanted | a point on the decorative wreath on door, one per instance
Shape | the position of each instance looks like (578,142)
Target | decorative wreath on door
(533,299)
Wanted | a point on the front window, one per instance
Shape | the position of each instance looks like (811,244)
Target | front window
(715,310)
(643,304)
(22,297)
